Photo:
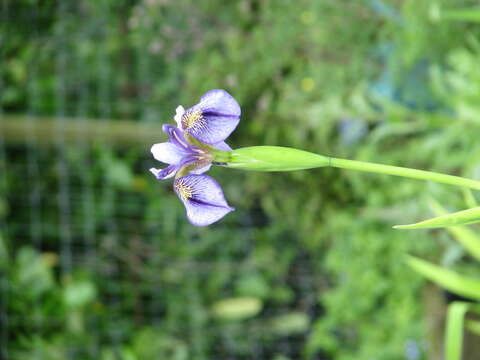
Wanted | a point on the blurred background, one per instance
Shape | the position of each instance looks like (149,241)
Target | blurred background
(97,259)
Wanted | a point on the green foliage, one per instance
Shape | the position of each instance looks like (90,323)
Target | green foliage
(464,217)
(454,332)
(456,283)
(59,323)
(450,280)
(472,15)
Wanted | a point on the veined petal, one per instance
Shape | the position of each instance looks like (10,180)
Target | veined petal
(179,111)
(203,199)
(168,152)
(165,173)
(176,137)
(172,169)
(214,118)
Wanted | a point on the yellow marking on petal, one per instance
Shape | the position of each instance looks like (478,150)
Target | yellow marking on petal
(184,191)
(191,119)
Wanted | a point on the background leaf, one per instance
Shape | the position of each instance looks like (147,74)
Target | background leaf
(447,279)
(454,332)
(464,217)
(465,236)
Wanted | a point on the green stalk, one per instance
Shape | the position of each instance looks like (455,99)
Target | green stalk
(276,158)
(404,172)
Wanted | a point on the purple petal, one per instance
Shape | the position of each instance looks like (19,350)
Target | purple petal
(176,137)
(172,169)
(214,118)
(165,173)
(203,199)
(169,152)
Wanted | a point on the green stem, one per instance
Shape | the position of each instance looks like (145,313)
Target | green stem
(405,172)
(276,158)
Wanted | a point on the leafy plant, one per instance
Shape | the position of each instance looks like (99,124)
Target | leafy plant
(456,283)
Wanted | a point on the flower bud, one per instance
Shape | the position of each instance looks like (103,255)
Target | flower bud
(274,158)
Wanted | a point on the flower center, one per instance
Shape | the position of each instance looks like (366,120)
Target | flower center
(191,119)
(183,190)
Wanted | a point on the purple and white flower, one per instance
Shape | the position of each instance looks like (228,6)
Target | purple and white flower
(203,199)
(207,123)
(212,120)
(178,153)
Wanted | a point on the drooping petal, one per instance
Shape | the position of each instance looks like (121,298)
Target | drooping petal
(168,152)
(179,111)
(172,169)
(214,118)
(165,173)
(203,199)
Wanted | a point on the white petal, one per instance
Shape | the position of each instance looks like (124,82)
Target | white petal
(178,116)
(168,153)
(155,171)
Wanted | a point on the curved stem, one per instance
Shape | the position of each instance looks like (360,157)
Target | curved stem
(405,172)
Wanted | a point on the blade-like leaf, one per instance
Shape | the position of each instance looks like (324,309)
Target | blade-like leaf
(464,217)
(454,333)
(450,280)
(465,236)
(469,199)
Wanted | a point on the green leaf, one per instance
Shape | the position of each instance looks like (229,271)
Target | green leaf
(465,236)
(469,199)
(454,332)
(450,280)
(464,217)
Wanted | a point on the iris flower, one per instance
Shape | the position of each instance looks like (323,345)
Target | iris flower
(189,152)
(203,199)
(179,153)
(212,120)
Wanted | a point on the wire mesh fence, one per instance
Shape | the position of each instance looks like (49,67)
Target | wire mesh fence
(100,265)
(97,260)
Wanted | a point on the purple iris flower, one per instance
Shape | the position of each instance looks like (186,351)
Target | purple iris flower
(213,119)
(177,152)
(203,198)
(209,122)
